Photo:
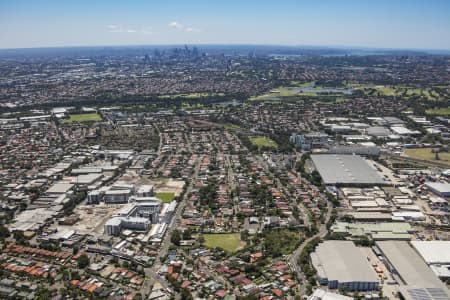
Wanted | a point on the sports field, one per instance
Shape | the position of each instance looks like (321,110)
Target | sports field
(262,141)
(80,118)
(165,197)
(230,242)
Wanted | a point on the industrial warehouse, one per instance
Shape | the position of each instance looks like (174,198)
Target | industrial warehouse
(346,170)
(417,281)
(436,254)
(341,265)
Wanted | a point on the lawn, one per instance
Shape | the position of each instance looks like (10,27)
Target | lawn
(398,90)
(79,118)
(263,141)
(439,111)
(426,154)
(230,242)
(165,197)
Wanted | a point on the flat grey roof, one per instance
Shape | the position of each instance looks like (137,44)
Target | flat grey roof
(409,265)
(346,169)
(411,293)
(439,186)
(60,188)
(433,252)
(378,131)
(87,178)
(343,261)
(393,120)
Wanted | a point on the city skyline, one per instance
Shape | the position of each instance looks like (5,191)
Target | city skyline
(380,24)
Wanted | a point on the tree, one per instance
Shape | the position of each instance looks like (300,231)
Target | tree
(138,296)
(185,294)
(20,238)
(436,155)
(83,261)
(201,239)
(187,234)
(43,293)
(244,235)
(4,232)
(176,238)
(248,297)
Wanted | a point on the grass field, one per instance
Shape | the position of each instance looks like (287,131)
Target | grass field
(439,111)
(165,197)
(263,142)
(399,91)
(80,118)
(230,242)
(426,154)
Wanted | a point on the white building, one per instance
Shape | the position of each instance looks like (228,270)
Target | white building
(145,191)
(439,188)
(115,225)
(309,141)
(320,294)
(341,265)
(117,196)
(94,197)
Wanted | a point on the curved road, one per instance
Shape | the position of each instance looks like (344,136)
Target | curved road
(294,256)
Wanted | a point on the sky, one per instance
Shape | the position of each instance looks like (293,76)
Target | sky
(407,24)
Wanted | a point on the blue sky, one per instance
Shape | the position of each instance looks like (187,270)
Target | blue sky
(413,24)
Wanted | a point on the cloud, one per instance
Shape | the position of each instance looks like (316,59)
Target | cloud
(122,29)
(175,24)
(179,26)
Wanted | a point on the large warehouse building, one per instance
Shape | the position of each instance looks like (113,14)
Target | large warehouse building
(417,281)
(341,265)
(436,254)
(439,188)
(346,170)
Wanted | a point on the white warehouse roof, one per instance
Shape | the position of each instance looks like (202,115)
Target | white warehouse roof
(433,252)
(438,186)
(342,261)
(346,169)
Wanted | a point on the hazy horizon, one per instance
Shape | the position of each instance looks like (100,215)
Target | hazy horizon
(412,25)
(299,46)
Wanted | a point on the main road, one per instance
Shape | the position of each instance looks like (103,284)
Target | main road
(293,260)
(151,274)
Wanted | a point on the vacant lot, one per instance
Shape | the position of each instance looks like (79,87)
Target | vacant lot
(230,242)
(263,142)
(165,197)
(427,154)
(281,242)
(79,118)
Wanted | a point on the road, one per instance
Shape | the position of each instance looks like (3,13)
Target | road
(281,187)
(293,260)
(151,274)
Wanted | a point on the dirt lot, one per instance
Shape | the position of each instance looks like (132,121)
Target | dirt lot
(92,218)
(161,185)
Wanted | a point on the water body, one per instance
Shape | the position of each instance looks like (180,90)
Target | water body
(230,103)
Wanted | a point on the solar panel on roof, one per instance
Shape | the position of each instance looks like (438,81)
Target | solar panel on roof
(427,294)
